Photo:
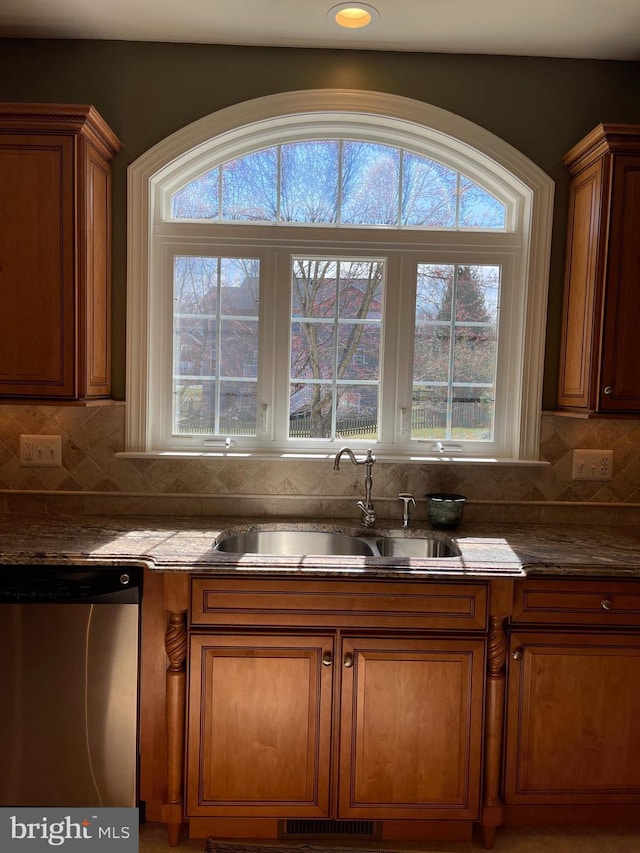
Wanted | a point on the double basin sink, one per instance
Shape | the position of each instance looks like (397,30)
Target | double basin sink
(292,542)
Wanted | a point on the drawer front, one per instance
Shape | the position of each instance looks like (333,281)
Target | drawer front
(592,602)
(350,604)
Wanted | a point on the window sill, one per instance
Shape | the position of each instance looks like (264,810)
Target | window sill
(318,457)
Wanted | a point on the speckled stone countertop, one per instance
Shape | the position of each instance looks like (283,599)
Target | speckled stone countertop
(186,544)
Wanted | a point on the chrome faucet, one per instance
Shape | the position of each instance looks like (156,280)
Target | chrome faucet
(366,506)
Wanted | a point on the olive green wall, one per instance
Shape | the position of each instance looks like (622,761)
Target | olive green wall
(146,91)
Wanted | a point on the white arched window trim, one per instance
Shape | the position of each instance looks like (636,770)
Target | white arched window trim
(423,128)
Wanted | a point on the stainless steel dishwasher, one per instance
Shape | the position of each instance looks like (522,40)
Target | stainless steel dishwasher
(69,694)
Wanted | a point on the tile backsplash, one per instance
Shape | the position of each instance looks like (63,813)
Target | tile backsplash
(93,480)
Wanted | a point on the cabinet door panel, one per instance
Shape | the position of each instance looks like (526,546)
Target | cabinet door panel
(411,728)
(37,265)
(95,319)
(580,317)
(620,365)
(259,726)
(572,719)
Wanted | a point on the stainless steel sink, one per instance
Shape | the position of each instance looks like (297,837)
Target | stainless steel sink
(424,547)
(297,543)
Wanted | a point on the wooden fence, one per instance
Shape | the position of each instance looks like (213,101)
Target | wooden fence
(466,414)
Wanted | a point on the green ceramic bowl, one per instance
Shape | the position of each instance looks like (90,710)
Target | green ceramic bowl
(445,510)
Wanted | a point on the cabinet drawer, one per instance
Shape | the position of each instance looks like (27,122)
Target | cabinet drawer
(593,602)
(336,603)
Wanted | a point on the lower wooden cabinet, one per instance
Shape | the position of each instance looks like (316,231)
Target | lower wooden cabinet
(259,725)
(573,719)
(268,711)
(398,704)
(410,728)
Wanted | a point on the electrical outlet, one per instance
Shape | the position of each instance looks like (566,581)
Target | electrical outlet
(592,464)
(43,451)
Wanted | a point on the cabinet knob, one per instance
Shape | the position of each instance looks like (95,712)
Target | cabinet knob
(348,661)
(606,604)
(517,655)
(608,390)
(327,659)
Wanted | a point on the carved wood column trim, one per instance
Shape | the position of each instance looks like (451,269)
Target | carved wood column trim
(175,643)
(176,647)
(492,807)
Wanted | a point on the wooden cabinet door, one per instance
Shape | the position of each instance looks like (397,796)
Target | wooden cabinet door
(581,311)
(259,723)
(37,265)
(620,377)
(411,719)
(573,712)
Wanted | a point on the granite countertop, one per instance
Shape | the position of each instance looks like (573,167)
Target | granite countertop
(186,544)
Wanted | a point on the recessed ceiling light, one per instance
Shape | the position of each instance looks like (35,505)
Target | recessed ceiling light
(353,16)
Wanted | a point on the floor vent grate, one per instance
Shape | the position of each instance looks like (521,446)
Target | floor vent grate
(333,828)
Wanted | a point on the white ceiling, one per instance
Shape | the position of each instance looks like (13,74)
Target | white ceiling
(597,29)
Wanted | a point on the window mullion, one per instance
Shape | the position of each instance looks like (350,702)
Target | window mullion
(273,372)
(336,341)
(218,351)
(396,354)
(340,182)
(452,341)
(400,186)
(279,184)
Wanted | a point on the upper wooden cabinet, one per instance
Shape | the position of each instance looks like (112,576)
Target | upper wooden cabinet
(55,252)
(599,364)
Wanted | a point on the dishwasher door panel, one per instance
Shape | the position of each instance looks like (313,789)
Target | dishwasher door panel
(68,709)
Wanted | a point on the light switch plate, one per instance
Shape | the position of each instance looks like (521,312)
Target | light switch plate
(44,451)
(592,464)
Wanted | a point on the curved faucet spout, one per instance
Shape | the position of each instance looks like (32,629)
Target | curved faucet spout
(341,453)
(368,512)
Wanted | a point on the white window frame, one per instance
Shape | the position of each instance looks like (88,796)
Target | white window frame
(524,248)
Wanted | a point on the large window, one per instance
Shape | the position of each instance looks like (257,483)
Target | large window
(324,276)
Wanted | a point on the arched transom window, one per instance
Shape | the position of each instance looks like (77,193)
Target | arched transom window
(341,182)
(322,276)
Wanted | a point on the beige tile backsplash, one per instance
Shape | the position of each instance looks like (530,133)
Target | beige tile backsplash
(93,480)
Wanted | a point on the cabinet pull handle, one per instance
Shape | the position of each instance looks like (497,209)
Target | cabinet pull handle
(327,659)
(606,604)
(517,655)
(348,661)
(608,390)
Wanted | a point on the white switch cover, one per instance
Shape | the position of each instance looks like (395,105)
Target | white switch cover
(592,464)
(41,451)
